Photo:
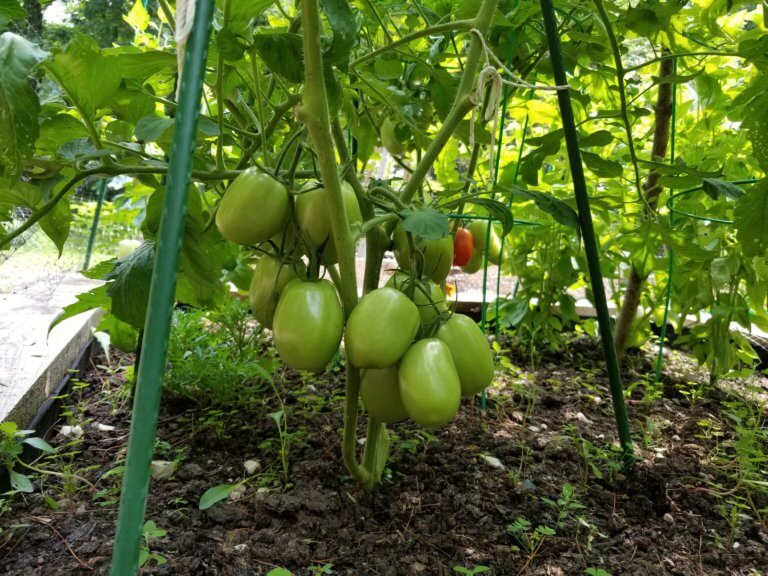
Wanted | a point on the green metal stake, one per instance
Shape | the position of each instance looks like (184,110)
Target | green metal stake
(95,223)
(588,231)
(133,499)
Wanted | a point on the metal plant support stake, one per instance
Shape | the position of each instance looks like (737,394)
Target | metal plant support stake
(133,498)
(588,232)
(95,223)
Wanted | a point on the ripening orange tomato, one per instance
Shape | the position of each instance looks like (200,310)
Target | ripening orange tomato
(463,246)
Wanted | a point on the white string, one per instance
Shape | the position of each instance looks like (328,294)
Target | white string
(516,80)
(185,16)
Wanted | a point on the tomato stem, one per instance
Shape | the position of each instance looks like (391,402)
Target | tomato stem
(315,114)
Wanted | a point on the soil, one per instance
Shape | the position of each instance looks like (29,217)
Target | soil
(444,502)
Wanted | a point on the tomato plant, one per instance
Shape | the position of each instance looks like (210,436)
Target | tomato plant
(288,171)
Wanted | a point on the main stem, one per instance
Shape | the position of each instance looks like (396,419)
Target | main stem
(651,189)
(316,116)
(462,103)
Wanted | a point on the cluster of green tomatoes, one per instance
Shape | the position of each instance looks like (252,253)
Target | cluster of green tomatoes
(417,358)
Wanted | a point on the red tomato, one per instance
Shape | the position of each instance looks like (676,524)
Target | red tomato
(463,246)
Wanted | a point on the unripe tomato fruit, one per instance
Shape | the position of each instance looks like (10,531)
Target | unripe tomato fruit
(429,307)
(429,384)
(380,392)
(436,255)
(254,208)
(381,328)
(269,279)
(479,229)
(389,139)
(463,246)
(308,325)
(471,354)
(475,263)
(126,247)
(312,214)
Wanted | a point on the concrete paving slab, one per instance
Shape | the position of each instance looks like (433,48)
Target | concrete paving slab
(32,361)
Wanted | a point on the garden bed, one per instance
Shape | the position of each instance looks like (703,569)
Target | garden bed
(483,491)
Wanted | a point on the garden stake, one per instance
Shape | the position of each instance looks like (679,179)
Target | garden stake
(95,223)
(133,498)
(671,267)
(588,232)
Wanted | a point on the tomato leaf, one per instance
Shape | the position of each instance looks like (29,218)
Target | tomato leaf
(57,222)
(599,138)
(716,188)
(19,105)
(282,52)
(427,223)
(215,494)
(560,210)
(88,76)
(129,287)
(345,26)
(749,218)
(600,166)
(12,10)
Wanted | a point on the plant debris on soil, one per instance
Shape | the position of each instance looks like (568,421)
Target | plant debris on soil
(482,491)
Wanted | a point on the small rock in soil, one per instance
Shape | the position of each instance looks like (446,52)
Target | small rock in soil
(252,466)
(190,471)
(668,518)
(493,462)
(224,513)
(238,493)
(71,431)
(104,427)
(162,469)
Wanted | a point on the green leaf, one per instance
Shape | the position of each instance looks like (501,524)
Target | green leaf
(345,29)
(560,210)
(8,429)
(12,10)
(243,12)
(716,188)
(427,223)
(382,453)
(642,21)
(19,105)
(129,287)
(599,138)
(282,52)
(59,129)
(88,77)
(121,335)
(229,45)
(151,128)
(279,572)
(756,124)
(80,149)
(131,105)
(20,482)
(496,210)
(137,16)
(96,298)
(750,217)
(18,194)
(600,166)
(131,62)
(40,444)
(57,222)
(215,494)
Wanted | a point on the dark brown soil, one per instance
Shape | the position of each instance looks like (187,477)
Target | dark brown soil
(442,504)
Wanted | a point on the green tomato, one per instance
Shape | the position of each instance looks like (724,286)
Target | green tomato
(269,279)
(312,214)
(475,262)
(479,229)
(436,256)
(254,208)
(429,384)
(471,354)
(126,247)
(308,325)
(389,139)
(380,392)
(381,328)
(430,307)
